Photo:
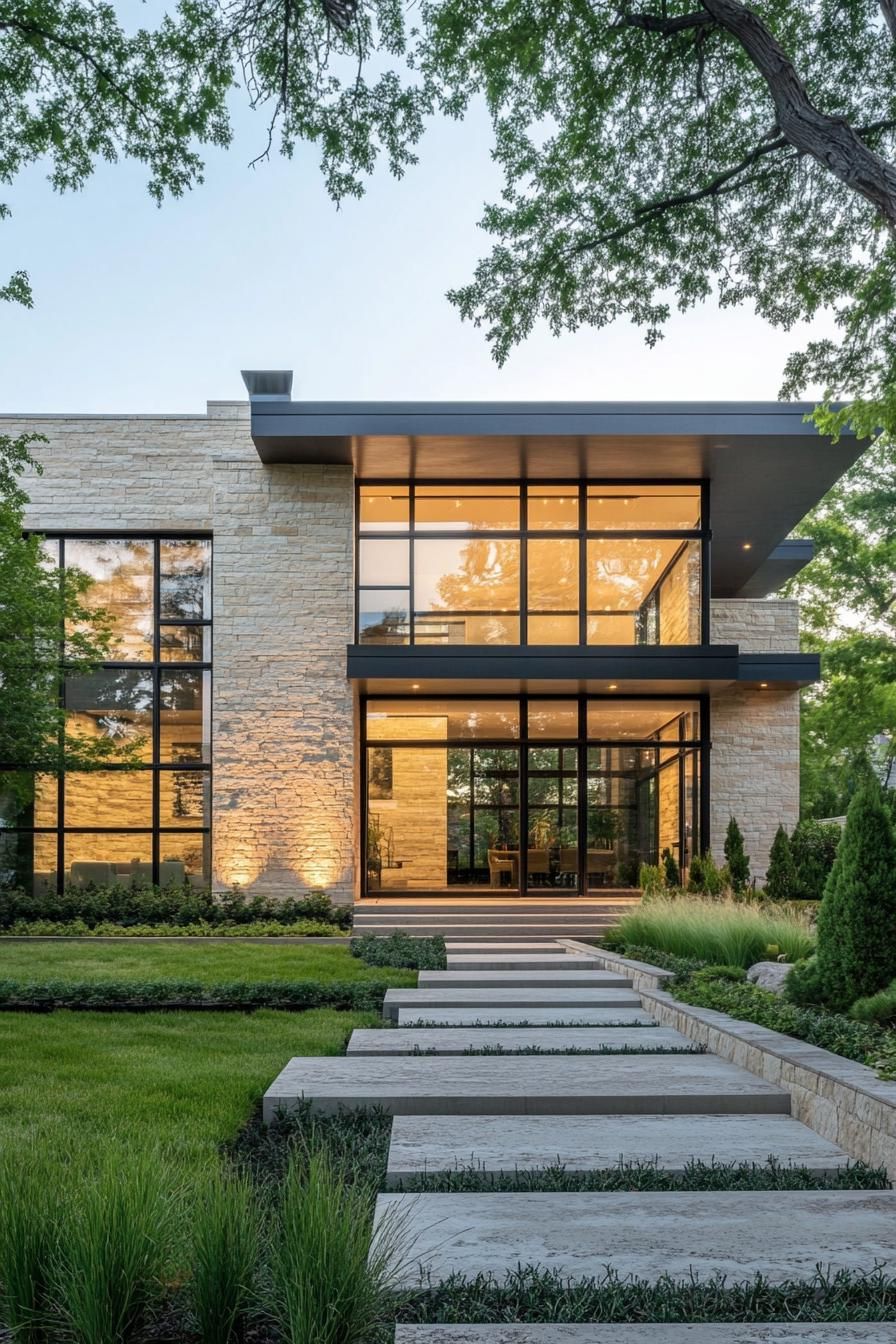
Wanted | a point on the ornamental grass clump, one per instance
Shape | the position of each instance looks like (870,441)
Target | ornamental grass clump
(857,917)
(31,1196)
(329,1285)
(113,1250)
(226,1242)
(724,932)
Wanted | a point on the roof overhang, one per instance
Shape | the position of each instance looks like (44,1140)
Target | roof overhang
(766,466)
(678,670)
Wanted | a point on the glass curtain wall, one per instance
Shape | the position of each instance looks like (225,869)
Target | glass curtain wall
(529,795)
(543,564)
(152,823)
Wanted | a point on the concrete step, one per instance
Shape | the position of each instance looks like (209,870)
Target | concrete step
(433,999)
(738,1234)
(530,947)
(522,961)
(498,932)
(523,1016)
(524,1085)
(591,976)
(514,1040)
(865,1332)
(495,1143)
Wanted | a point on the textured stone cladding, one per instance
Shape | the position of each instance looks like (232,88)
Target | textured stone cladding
(755,758)
(283,801)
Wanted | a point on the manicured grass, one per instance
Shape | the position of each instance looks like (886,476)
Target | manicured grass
(209,963)
(728,933)
(176,1083)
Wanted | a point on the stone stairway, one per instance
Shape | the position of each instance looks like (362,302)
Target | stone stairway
(466,1073)
(493,919)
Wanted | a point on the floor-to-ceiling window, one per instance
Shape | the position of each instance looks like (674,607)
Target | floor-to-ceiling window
(530,794)
(151,823)
(530,563)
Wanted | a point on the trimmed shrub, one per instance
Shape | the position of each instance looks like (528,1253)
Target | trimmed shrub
(781,879)
(857,917)
(126,904)
(672,870)
(804,984)
(651,879)
(153,995)
(401,950)
(46,928)
(879,1007)
(814,848)
(736,859)
(704,877)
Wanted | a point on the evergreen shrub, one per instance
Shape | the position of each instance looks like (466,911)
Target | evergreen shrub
(736,858)
(781,878)
(857,917)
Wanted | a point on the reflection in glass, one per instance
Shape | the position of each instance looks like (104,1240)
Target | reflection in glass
(122,573)
(185,580)
(184,796)
(553,586)
(383,616)
(641,720)
(627,508)
(114,703)
(184,713)
(185,643)
(383,562)
(383,508)
(466,508)
(477,575)
(184,856)
(553,718)
(27,799)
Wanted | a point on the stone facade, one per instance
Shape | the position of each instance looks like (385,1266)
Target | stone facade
(755,758)
(283,748)
(284,727)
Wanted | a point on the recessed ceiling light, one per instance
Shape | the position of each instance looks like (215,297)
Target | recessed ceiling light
(612,686)
(748,545)
(415,685)
(763,685)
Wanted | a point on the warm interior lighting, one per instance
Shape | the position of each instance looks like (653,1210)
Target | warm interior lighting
(612,686)
(748,545)
(763,685)
(415,685)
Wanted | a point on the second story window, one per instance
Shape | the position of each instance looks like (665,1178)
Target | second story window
(538,564)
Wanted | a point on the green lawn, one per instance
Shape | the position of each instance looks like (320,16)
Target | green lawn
(177,1082)
(214,963)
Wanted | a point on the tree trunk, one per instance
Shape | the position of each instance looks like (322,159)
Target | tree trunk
(831,141)
(889,12)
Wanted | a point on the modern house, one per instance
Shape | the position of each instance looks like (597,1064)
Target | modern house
(424,649)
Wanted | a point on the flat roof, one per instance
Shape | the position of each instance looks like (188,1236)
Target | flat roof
(766,465)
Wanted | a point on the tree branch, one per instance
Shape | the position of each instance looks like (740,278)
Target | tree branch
(722,182)
(655,23)
(831,141)
(888,8)
(67,44)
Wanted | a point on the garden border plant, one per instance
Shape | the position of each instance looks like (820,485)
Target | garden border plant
(189,995)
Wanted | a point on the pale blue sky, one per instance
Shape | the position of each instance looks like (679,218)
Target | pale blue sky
(144,309)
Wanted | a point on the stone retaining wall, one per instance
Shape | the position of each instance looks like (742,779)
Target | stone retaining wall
(842,1101)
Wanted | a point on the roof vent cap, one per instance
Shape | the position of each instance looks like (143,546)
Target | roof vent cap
(268,384)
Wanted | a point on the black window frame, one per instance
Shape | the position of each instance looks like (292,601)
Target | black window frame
(583,534)
(696,749)
(157,668)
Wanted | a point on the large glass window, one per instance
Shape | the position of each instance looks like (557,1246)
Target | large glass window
(152,823)
(539,795)
(537,563)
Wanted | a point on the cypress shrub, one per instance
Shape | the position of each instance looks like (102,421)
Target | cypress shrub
(781,878)
(671,869)
(857,917)
(737,860)
(814,848)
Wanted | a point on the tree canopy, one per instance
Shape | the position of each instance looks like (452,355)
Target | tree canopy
(654,152)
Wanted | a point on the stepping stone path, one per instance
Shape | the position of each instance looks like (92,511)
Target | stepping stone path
(517,1110)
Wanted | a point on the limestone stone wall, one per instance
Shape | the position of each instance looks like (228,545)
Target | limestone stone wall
(758,625)
(680,600)
(755,758)
(282,721)
(413,821)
